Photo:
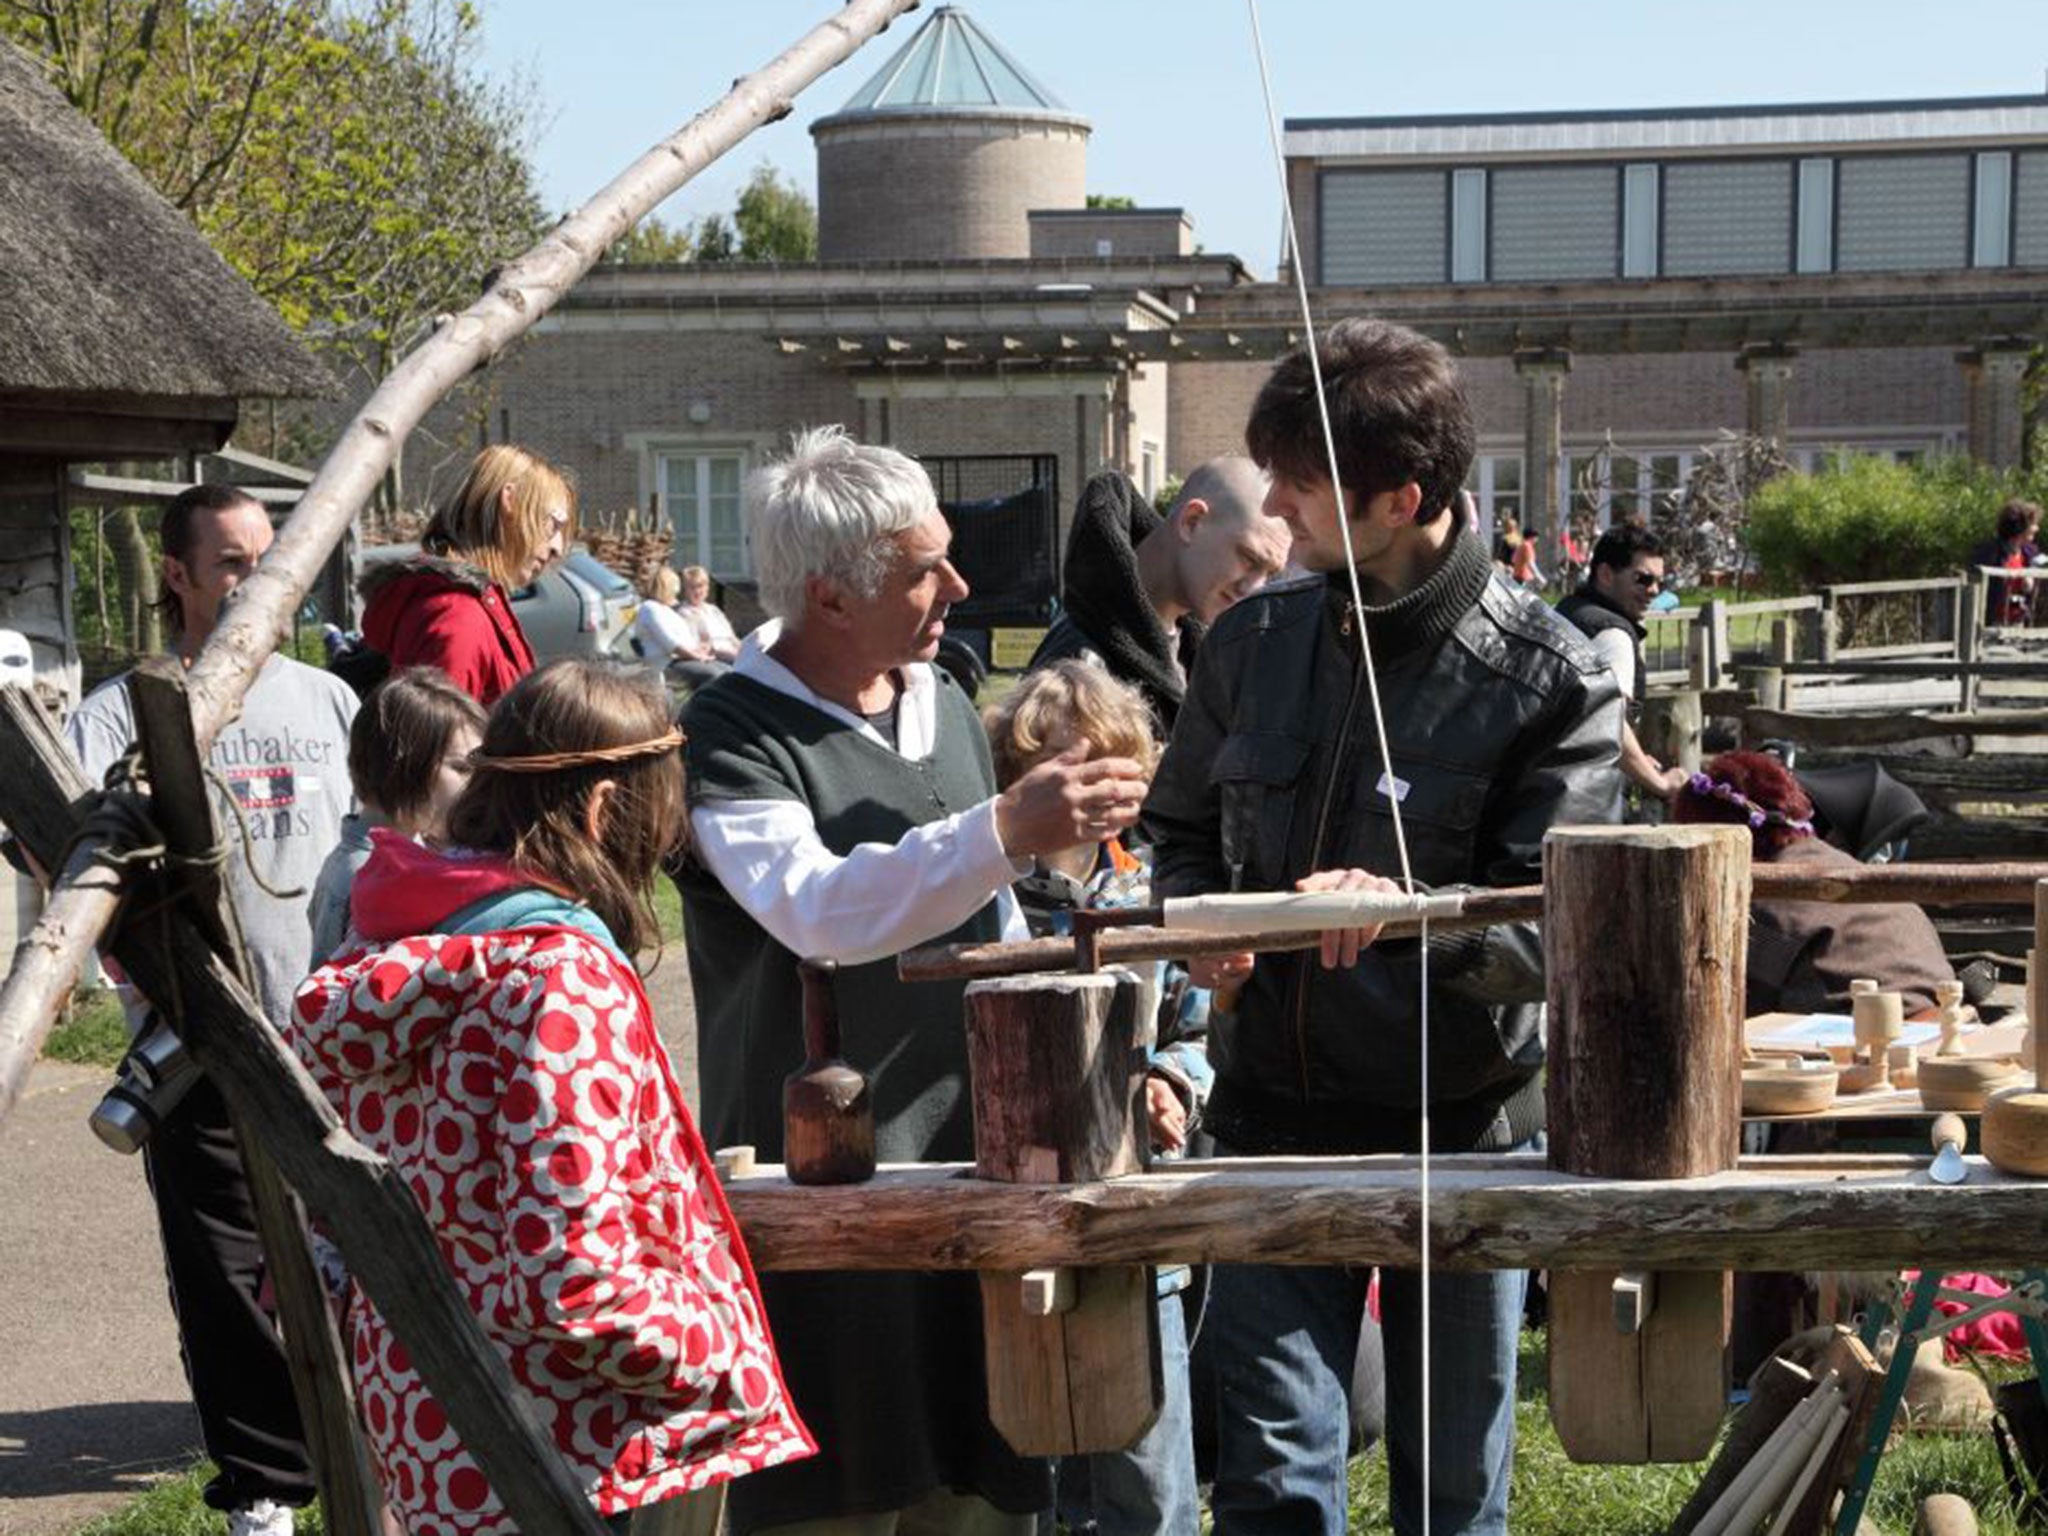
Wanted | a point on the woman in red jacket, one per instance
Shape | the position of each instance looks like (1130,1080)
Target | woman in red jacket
(512,516)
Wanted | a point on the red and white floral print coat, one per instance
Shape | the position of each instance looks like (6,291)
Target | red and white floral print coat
(515,1080)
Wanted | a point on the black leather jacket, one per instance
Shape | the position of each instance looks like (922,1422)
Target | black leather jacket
(1503,723)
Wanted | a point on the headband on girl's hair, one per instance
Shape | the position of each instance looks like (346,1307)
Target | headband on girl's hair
(1760,816)
(549,762)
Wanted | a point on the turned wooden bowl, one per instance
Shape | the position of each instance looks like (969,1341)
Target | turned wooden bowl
(2015,1131)
(1963,1082)
(1787,1090)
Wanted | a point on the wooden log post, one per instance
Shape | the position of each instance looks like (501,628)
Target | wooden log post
(1058,1067)
(1644,939)
(180,805)
(1971,599)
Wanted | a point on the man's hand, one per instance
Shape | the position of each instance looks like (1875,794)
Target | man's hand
(1166,1114)
(1069,800)
(1671,780)
(1341,945)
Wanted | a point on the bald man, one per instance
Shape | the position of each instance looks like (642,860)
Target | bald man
(1140,588)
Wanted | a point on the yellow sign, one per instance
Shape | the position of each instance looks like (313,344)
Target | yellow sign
(1009,650)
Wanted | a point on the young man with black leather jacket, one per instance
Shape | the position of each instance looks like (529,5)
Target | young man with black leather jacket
(1501,723)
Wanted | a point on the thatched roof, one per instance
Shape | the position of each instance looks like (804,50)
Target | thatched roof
(104,286)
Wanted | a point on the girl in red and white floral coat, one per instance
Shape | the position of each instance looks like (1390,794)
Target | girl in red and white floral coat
(492,1040)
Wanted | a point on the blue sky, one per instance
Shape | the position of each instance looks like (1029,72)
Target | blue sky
(1173,93)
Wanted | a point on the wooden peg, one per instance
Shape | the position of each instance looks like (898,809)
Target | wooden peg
(1046,1291)
(1635,1294)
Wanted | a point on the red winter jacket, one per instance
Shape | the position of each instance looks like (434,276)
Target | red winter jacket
(513,1077)
(430,611)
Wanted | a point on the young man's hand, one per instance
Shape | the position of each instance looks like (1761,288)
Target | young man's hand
(1341,945)
(1069,800)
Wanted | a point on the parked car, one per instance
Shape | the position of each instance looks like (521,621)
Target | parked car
(578,606)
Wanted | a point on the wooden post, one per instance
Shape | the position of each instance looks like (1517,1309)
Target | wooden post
(1714,616)
(1765,684)
(1058,1065)
(1644,939)
(182,808)
(1830,625)
(1972,596)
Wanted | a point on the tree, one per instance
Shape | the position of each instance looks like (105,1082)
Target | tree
(651,241)
(348,157)
(715,239)
(1111,201)
(776,222)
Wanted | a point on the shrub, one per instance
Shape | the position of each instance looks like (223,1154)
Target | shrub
(1867,518)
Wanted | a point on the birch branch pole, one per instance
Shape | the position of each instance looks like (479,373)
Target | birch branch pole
(51,956)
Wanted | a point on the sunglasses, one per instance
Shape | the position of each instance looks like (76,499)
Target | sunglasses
(1646,581)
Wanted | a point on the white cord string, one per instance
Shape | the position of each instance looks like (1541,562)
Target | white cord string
(1390,784)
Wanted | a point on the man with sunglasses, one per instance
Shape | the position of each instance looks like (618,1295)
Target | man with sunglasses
(1626,573)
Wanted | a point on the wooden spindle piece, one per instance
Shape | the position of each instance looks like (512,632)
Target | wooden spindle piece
(828,1116)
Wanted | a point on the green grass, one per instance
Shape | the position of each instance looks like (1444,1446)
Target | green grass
(1552,1496)
(93,1032)
(174,1508)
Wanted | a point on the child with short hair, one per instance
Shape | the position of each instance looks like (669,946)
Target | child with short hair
(493,1042)
(1150,1487)
(408,758)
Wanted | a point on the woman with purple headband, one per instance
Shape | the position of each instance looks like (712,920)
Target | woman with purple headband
(1803,954)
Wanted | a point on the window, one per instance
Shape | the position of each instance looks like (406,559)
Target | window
(1384,226)
(1555,223)
(1148,467)
(1468,226)
(701,494)
(1723,218)
(1639,221)
(1667,482)
(1902,213)
(1991,236)
(2030,215)
(1816,216)
(1624,488)
(1496,486)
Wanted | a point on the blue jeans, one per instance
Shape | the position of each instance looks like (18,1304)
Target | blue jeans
(1285,1339)
(1148,1490)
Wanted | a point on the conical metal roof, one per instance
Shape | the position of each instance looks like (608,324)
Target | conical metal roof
(951,65)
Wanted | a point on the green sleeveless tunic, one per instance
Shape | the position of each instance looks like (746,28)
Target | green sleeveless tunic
(885,1368)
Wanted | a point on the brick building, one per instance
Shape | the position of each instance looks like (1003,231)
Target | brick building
(1621,287)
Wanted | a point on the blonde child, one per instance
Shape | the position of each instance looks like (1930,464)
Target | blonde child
(494,1043)
(1150,1487)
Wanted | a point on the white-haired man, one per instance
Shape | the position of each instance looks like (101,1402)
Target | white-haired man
(843,807)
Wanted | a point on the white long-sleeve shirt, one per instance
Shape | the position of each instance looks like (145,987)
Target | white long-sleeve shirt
(880,899)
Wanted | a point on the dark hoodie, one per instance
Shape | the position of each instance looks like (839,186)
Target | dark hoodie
(433,611)
(1107,614)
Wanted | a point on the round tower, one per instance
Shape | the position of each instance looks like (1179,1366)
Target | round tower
(943,153)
